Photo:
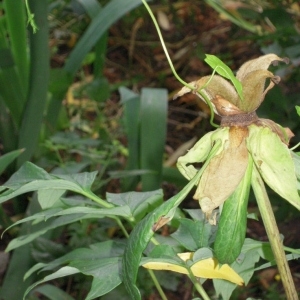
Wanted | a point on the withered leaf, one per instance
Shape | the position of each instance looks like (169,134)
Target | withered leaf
(225,171)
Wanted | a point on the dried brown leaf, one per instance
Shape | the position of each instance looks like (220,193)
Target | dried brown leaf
(224,172)
(260,63)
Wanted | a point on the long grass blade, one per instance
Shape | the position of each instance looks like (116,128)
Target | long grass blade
(16,22)
(39,74)
(154,103)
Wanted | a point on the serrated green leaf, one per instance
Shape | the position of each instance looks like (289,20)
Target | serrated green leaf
(222,69)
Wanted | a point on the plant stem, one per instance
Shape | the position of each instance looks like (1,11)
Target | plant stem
(269,221)
(198,286)
(157,285)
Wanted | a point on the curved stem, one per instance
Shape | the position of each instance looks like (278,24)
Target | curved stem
(173,69)
(198,286)
(157,285)
(269,221)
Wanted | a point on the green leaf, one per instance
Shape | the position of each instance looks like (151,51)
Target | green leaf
(8,158)
(131,104)
(222,69)
(107,16)
(138,202)
(101,260)
(47,198)
(64,271)
(298,110)
(38,84)
(32,178)
(153,118)
(43,228)
(193,234)
(98,251)
(52,292)
(89,212)
(105,272)
(275,164)
(143,232)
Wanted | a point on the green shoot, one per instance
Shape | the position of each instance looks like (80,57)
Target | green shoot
(30,18)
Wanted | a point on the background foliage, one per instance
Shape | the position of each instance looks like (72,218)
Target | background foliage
(81,95)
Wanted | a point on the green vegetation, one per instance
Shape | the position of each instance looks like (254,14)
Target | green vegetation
(93,203)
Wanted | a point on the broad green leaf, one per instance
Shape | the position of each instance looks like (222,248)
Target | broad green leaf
(64,271)
(47,198)
(138,202)
(52,292)
(131,104)
(252,251)
(233,222)
(143,232)
(154,106)
(103,285)
(101,260)
(222,69)
(8,158)
(193,234)
(275,163)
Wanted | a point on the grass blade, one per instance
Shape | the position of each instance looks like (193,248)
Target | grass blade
(154,103)
(39,74)
(16,23)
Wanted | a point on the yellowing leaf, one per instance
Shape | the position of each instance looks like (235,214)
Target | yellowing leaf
(207,268)
(224,173)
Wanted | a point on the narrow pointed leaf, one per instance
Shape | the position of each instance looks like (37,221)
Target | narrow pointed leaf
(221,68)
(64,271)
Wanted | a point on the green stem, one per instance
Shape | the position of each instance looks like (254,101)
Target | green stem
(198,286)
(172,66)
(157,285)
(269,221)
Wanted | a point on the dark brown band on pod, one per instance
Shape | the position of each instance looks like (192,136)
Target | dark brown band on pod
(239,119)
